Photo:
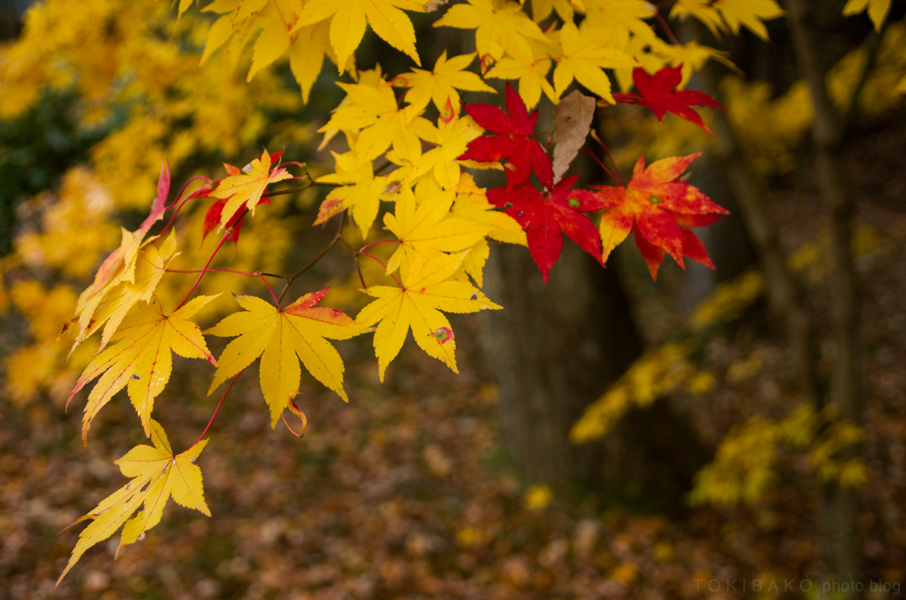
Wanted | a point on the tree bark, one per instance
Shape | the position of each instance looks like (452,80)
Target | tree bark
(10,19)
(840,512)
(555,349)
(784,290)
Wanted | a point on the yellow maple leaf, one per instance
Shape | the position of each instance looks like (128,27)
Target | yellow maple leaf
(472,203)
(531,73)
(272,43)
(439,86)
(235,25)
(500,27)
(565,9)
(877,10)
(378,122)
(394,129)
(473,265)
(365,103)
(425,290)
(451,139)
(140,358)
(360,191)
(219,34)
(120,268)
(184,6)
(157,475)
(370,77)
(282,337)
(700,10)
(692,56)
(749,14)
(584,59)
(348,20)
(246,187)
(619,17)
(129,275)
(306,57)
(429,228)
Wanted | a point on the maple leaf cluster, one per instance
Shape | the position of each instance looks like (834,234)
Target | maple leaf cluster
(412,144)
(139,337)
(441,223)
(546,48)
(654,204)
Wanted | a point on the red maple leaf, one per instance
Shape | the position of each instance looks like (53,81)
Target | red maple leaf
(657,207)
(510,138)
(658,92)
(234,226)
(546,215)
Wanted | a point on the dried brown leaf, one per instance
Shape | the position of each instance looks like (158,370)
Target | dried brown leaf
(572,122)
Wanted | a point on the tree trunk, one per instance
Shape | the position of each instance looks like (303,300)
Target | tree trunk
(555,349)
(840,512)
(10,19)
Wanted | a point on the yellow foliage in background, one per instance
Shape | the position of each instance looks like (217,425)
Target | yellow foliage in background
(141,72)
(41,364)
(537,497)
(140,82)
(658,372)
(745,465)
(67,231)
(747,458)
(770,127)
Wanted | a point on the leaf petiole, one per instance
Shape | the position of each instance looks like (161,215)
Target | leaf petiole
(616,178)
(226,236)
(216,410)
(317,258)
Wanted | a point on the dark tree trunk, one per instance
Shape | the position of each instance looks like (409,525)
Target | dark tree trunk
(554,349)
(10,19)
(840,511)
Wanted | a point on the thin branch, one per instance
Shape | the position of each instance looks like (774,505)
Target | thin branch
(230,271)
(355,259)
(337,236)
(616,178)
(216,410)
(182,203)
(383,264)
(369,245)
(666,27)
(269,288)
(226,236)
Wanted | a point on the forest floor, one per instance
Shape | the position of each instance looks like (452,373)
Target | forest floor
(407,492)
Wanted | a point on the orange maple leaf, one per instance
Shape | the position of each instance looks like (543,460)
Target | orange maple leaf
(658,207)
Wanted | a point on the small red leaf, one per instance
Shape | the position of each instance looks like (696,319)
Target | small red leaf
(657,207)
(212,219)
(547,215)
(510,138)
(658,93)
